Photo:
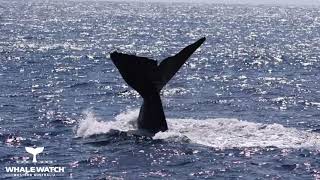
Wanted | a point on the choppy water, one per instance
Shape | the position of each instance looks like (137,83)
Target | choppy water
(245,106)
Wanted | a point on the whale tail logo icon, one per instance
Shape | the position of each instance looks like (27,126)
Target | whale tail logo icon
(34,152)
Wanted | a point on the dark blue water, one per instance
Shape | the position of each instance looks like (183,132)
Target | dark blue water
(245,106)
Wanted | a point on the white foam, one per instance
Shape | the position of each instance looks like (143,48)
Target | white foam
(220,133)
(91,125)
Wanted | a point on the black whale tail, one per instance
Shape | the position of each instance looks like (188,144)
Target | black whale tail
(147,78)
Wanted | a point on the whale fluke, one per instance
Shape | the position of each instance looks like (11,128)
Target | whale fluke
(34,152)
(147,78)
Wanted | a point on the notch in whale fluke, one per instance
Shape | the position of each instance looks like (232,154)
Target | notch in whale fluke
(148,78)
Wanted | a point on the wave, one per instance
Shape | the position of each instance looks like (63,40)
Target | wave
(218,133)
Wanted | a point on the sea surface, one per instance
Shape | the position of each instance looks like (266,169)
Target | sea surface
(246,105)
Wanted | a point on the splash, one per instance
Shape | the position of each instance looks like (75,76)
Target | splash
(219,133)
(91,125)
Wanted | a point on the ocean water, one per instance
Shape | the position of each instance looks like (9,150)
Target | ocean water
(245,106)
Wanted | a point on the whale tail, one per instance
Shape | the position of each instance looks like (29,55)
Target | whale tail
(34,152)
(147,78)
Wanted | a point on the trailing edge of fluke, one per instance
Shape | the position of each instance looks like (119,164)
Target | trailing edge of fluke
(148,78)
